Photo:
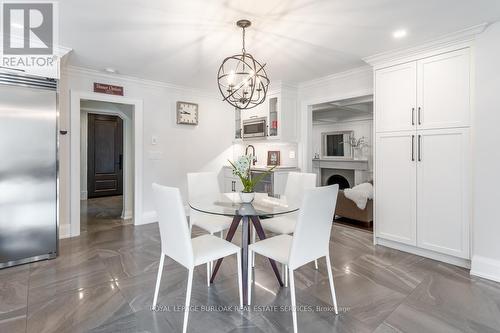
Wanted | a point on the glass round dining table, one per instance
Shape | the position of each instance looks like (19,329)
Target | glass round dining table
(229,204)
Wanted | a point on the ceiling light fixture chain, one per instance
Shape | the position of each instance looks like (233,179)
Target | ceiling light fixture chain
(242,80)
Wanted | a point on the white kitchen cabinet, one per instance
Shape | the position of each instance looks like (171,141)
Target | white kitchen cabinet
(395,182)
(395,97)
(443,191)
(279,177)
(232,185)
(280,110)
(422,154)
(443,90)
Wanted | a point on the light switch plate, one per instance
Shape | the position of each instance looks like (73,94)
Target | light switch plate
(291,154)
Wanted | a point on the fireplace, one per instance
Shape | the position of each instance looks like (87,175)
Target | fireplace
(338,179)
(344,178)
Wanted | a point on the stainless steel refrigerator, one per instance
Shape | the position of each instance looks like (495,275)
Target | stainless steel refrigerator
(28,169)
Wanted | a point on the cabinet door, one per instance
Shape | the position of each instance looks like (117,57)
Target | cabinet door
(443,89)
(228,185)
(395,97)
(443,191)
(395,186)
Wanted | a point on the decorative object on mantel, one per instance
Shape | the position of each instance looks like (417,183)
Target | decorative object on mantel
(273,157)
(241,168)
(242,80)
(187,113)
(357,146)
(108,89)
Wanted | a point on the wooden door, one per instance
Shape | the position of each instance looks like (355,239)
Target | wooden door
(395,186)
(105,155)
(443,191)
(395,98)
(444,86)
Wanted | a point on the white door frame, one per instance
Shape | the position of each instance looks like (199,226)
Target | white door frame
(305,121)
(137,119)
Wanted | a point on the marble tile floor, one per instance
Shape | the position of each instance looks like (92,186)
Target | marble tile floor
(103,281)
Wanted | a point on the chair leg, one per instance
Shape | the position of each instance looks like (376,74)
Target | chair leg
(332,287)
(158,279)
(292,294)
(253,241)
(284,273)
(249,278)
(188,299)
(316,264)
(240,280)
(208,273)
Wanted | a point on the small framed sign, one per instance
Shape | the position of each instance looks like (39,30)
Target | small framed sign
(108,89)
(187,113)
(273,157)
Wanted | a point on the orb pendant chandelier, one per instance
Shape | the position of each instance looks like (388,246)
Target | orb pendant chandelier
(242,80)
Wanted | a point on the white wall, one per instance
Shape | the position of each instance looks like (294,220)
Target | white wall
(261,149)
(180,148)
(353,83)
(486,143)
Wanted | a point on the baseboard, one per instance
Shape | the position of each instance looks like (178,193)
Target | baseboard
(84,195)
(148,217)
(424,253)
(64,231)
(127,214)
(486,268)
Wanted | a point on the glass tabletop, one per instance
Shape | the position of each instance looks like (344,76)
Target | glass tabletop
(229,204)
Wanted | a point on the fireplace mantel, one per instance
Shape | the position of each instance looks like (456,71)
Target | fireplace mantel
(349,164)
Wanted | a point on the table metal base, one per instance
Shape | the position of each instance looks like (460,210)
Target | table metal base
(245,241)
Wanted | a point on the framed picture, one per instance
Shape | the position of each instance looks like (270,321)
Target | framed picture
(187,113)
(273,157)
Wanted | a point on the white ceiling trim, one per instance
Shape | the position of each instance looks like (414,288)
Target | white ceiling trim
(94,74)
(465,36)
(322,80)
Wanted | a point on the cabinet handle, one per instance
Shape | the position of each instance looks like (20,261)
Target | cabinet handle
(419,109)
(419,148)
(233,183)
(413,148)
(413,116)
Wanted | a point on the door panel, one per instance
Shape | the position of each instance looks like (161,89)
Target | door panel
(105,155)
(443,191)
(444,90)
(395,185)
(395,91)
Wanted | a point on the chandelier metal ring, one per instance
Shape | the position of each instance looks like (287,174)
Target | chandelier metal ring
(243,80)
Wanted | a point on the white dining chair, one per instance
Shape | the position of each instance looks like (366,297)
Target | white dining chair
(205,184)
(176,242)
(297,183)
(309,242)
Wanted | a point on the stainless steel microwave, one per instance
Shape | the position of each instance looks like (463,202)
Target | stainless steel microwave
(254,127)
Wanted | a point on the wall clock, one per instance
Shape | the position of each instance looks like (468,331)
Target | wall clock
(187,113)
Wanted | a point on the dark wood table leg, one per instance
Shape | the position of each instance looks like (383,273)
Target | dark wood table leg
(229,237)
(262,236)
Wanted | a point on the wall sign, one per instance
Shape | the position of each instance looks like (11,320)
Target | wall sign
(108,89)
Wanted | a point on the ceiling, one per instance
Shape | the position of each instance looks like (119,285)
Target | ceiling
(343,110)
(184,42)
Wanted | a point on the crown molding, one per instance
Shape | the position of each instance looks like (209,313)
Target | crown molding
(365,69)
(95,74)
(462,37)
